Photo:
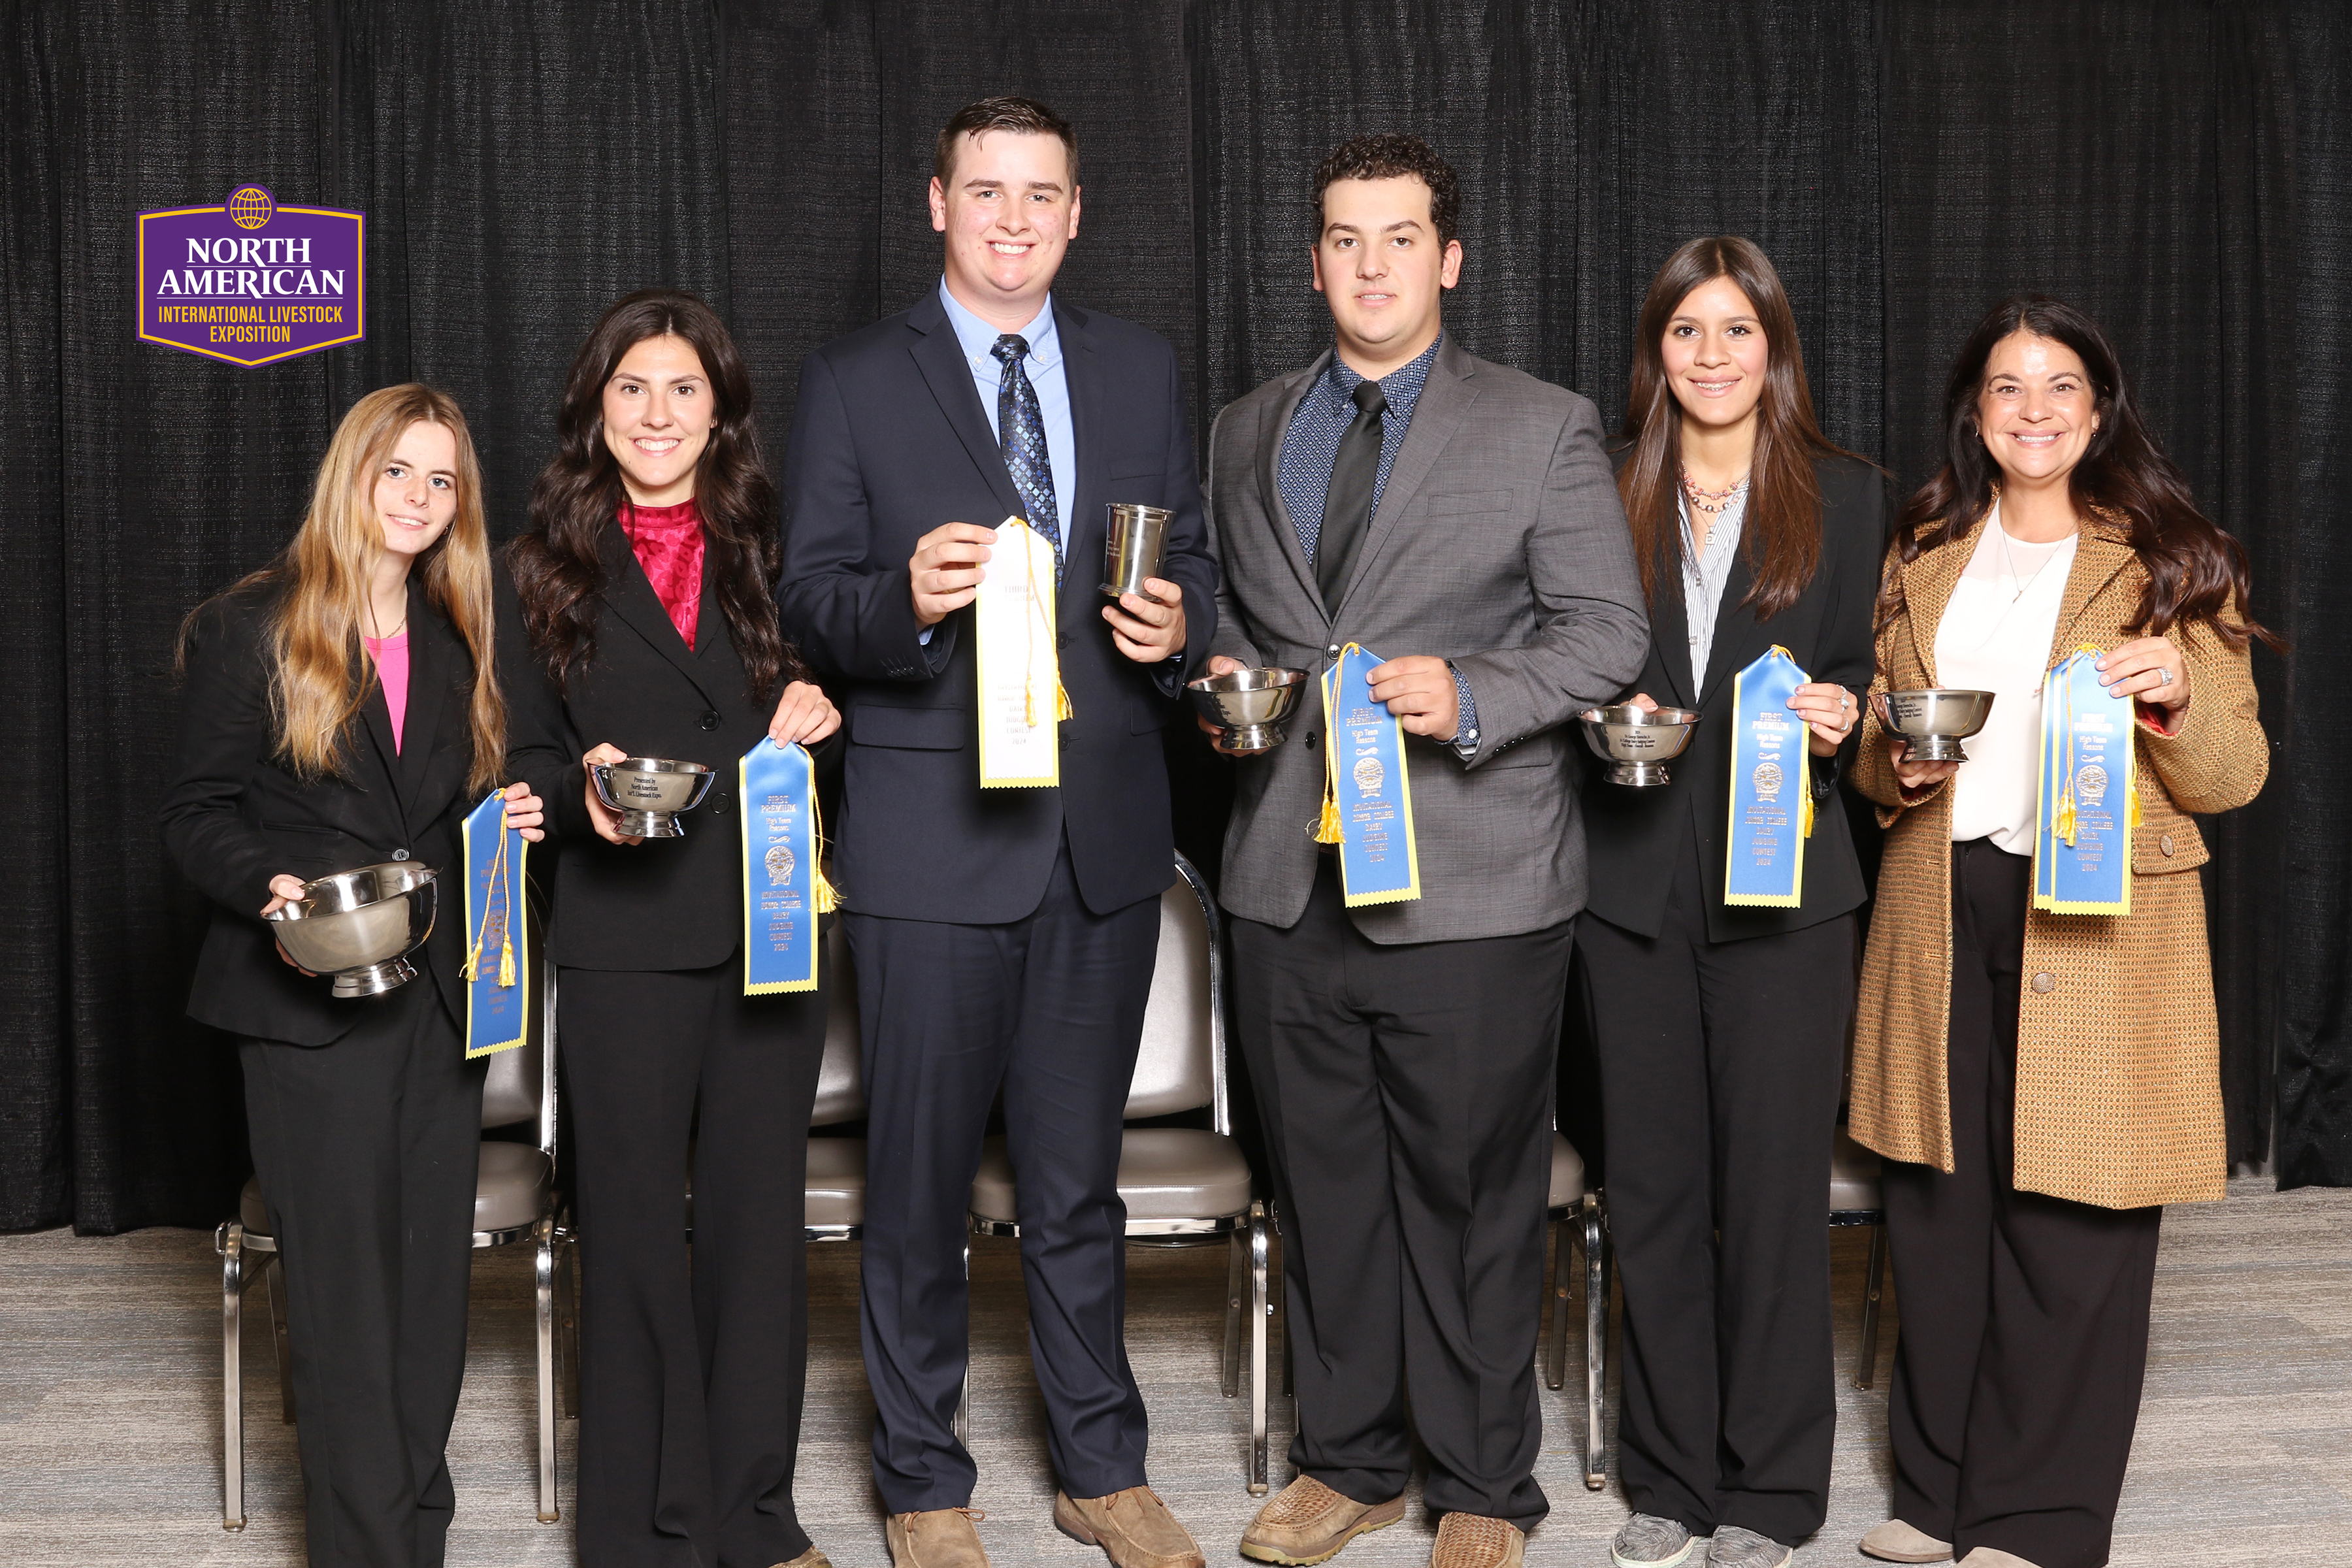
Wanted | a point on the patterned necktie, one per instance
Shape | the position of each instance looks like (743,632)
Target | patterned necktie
(1021,433)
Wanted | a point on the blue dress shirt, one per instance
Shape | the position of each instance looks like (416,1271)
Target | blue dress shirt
(1043,365)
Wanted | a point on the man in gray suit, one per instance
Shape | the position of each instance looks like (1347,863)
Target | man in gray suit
(1459,521)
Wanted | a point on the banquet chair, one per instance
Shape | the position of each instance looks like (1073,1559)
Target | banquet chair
(1570,1198)
(1856,1199)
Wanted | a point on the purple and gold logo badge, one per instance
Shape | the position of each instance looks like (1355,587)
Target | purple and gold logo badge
(250,281)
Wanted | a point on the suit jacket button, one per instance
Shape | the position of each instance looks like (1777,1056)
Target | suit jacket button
(400,854)
(718,803)
(2165,843)
(1333,649)
(2044,984)
(711,718)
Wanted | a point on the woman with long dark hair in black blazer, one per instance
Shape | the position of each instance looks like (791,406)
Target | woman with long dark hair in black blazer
(1721,1028)
(644,624)
(342,710)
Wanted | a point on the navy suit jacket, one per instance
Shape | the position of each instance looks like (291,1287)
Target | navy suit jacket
(891,441)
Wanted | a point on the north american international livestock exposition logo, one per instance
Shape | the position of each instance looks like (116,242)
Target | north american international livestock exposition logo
(250,281)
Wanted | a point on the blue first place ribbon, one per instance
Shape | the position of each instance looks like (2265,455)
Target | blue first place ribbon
(497,921)
(1771,787)
(780,903)
(2088,800)
(1368,794)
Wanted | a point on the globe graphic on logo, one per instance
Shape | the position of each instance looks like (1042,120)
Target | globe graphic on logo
(250,206)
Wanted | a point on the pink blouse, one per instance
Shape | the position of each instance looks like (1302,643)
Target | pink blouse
(667,541)
(391,656)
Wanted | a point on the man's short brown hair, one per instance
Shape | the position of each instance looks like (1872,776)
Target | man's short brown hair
(1388,157)
(1025,115)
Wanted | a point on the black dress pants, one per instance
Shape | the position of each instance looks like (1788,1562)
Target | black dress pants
(691,1369)
(2017,1378)
(1406,1092)
(367,1153)
(1721,1067)
(1049,1008)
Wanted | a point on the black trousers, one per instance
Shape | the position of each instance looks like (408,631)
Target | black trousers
(2017,1378)
(691,1367)
(1049,1008)
(1721,1067)
(1406,1093)
(367,1152)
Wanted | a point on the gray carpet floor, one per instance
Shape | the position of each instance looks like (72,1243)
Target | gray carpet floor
(109,1428)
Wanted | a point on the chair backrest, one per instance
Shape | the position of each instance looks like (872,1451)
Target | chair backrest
(840,1096)
(1182,1064)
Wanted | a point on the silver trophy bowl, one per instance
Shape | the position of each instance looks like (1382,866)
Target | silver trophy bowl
(651,792)
(1637,744)
(1933,724)
(361,926)
(1135,537)
(1249,705)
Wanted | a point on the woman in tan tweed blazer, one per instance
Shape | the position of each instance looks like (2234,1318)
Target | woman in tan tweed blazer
(2041,1084)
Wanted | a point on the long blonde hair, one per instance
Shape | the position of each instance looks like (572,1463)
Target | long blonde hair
(320,673)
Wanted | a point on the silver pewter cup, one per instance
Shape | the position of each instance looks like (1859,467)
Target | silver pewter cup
(361,926)
(1249,705)
(1135,537)
(651,792)
(1933,724)
(1638,744)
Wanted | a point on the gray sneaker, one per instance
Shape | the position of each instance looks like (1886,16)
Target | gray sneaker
(1649,1542)
(1734,1547)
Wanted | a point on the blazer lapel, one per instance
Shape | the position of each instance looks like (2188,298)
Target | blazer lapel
(1270,479)
(1436,414)
(1927,584)
(431,649)
(377,717)
(1737,637)
(1084,540)
(2101,549)
(1670,632)
(629,594)
(941,359)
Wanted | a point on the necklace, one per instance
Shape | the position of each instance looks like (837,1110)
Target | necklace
(2009,565)
(1711,502)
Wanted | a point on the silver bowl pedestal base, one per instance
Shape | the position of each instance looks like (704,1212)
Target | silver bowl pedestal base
(1247,739)
(375,979)
(1933,748)
(651,825)
(1642,775)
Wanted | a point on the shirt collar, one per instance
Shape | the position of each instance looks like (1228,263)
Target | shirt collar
(977,338)
(1401,386)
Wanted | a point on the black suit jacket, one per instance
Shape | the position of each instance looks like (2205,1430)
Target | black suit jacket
(1630,834)
(234,817)
(889,442)
(668,903)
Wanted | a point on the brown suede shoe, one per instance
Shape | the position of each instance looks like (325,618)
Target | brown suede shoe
(811,1558)
(1307,1522)
(1895,1542)
(1134,1529)
(1473,1540)
(937,1538)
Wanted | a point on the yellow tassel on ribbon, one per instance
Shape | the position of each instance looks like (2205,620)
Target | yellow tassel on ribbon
(506,964)
(501,879)
(1326,825)
(1061,697)
(1805,808)
(821,889)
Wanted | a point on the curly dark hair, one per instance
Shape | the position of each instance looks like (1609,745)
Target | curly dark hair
(1385,157)
(558,572)
(1025,115)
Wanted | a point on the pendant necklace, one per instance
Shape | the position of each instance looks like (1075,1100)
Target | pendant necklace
(1711,502)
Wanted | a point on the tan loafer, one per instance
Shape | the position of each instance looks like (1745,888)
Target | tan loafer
(1307,1522)
(1991,1557)
(811,1558)
(1895,1542)
(1134,1529)
(1473,1540)
(937,1538)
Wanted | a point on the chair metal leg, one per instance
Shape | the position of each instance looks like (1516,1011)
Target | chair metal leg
(1260,1310)
(1556,1300)
(272,1269)
(231,1243)
(963,1395)
(544,1302)
(1278,1281)
(1873,1281)
(1596,1340)
(1236,1268)
(567,1319)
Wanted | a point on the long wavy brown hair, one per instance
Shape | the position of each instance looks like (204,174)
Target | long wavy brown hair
(2197,574)
(557,570)
(320,670)
(1780,537)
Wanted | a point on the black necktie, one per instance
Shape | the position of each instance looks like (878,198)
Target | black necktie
(1348,503)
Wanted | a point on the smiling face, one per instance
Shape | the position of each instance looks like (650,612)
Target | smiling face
(1715,354)
(2037,410)
(1381,268)
(1009,210)
(658,412)
(415,489)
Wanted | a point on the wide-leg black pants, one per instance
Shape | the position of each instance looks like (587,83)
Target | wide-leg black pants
(691,1372)
(2017,1378)
(1721,1067)
(367,1153)
(1049,1008)
(1406,1093)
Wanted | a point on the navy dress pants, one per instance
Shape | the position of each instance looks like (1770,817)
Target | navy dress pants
(1050,1009)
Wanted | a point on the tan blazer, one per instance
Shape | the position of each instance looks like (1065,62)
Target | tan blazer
(2118,1082)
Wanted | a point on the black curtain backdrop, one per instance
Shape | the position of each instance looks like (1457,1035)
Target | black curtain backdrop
(2170,164)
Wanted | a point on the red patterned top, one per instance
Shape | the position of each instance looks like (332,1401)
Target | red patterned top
(668,544)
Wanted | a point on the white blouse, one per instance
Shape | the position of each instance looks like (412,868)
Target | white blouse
(1995,636)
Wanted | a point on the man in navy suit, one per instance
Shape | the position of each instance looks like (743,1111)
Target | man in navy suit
(1003,939)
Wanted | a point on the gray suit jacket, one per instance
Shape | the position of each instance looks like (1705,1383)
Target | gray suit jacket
(1499,544)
